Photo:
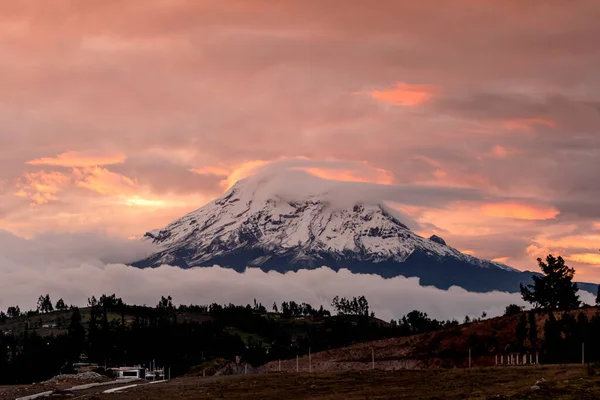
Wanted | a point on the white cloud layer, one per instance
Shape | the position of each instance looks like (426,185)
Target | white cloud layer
(76,267)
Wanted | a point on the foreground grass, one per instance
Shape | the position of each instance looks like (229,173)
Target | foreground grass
(561,382)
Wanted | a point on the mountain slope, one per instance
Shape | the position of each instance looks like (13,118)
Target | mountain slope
(250,226)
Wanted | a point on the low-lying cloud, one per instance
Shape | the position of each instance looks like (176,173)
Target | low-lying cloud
(78,266)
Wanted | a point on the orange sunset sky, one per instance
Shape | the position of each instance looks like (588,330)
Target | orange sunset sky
(118,116)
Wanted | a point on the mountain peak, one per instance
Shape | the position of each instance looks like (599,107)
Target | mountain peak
(437,239)
(283,225)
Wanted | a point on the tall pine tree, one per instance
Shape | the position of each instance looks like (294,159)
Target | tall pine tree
(554,290)
(521,331)
(532,331)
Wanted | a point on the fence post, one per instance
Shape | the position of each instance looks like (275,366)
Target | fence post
(373,357)
(297,364)
(280,365)
(582,353)
(469,358)
(501,359)
(537,354)
(309,361)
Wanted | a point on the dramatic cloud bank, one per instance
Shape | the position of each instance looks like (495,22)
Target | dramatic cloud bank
(76,267)
(121,116)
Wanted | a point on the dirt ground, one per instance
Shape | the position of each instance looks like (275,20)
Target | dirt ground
(17,391)
(564,382)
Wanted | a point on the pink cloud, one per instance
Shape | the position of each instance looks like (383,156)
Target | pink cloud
(41,187)
(405,94)
(519,211)
(79,159)
(528,124)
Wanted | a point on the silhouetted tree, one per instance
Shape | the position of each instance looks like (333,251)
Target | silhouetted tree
(60,305)
(44,304)
(532,331)
(521,331)
(356,306)
(552,336)
(554,290)
(513,309)
(598,296)
(13,311)
(76,334)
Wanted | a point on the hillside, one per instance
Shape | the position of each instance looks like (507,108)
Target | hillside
(445,348)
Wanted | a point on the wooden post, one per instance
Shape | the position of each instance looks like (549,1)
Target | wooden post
(501,359)
(309,361)
(373,357)
(469,358)
(583,353)
(279,365)
(297,365)
(537,354)
(496,359)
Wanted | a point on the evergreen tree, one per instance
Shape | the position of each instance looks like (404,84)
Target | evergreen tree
(44,304)
(521,331)
(554,290)
(552,337)
(513,309)
(532,331)
(13,311)
(76,334)
(60,305)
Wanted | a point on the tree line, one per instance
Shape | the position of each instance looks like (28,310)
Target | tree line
(110,332)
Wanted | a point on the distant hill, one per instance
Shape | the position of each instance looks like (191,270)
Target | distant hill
(445,348)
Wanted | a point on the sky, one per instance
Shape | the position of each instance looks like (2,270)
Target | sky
(117,117)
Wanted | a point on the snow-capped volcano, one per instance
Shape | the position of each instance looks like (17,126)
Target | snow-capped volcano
(309,232)
(255,225)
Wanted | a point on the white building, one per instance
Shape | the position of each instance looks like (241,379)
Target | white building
(130,372)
